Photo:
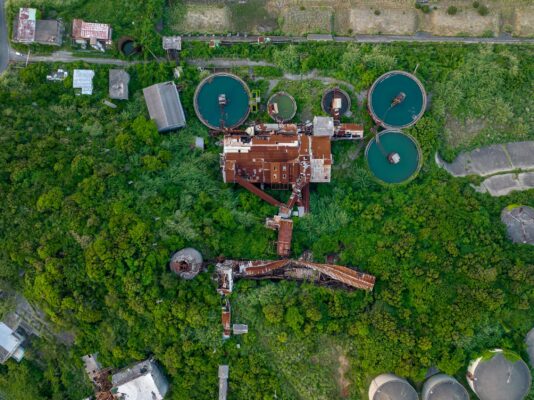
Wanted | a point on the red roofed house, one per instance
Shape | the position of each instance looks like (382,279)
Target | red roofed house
(97,35)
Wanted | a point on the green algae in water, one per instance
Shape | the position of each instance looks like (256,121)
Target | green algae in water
(207,101)
(393,142)
(286,106)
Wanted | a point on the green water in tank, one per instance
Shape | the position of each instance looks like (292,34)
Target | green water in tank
(286,107)
(393,142)
(237,99)
(386,90)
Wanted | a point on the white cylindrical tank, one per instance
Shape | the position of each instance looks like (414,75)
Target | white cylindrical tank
(498,375)
(391,387)
(444,387)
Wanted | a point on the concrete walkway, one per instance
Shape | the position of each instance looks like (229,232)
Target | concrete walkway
(419,37)
(500,163)
(491,160)
(502,185)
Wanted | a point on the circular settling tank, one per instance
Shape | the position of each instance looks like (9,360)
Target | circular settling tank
(393,157)
(282,107)
(127,46)
(328,102)
(222,100)
(396,100)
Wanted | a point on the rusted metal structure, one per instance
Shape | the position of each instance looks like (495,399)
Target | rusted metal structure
(295,269)
(226,318)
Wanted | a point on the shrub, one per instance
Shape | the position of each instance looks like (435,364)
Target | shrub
(483,10)
(377,12)
(425,8)
(452,10)
(476,4)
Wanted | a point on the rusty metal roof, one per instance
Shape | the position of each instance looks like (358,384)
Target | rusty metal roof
(276,158)
(90,30)
(25,26)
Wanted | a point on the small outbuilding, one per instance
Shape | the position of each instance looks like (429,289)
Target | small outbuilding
(142,381)
(499,375)
(391,387)
(83,79)
(118,84)
(10,344)
(164,106)
(172,43)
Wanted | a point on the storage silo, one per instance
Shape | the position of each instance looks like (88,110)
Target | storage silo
(222,100)
(397,99)
(444,387)
(391,387)
(186,263)
(499,375)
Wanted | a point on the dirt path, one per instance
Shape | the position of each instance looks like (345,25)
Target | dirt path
(342,381)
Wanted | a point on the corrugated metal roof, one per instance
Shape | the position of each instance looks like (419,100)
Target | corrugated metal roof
(172,42)
(9,342)
(90,30)
(164,106)
(142,381)
(118,84)
(83,79)
(25,32)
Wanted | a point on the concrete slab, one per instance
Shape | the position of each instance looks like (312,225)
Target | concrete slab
(490,160)
(521,154)
(501,185)
(519,221)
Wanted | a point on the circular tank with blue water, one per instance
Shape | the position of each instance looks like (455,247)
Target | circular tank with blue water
(393,157)
(222,101)
(396,100)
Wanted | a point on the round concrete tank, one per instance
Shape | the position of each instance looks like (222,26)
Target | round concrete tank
(222,101)
(391,387)
(444,387)
(282,107)
(393,157)
(499,375)
(335,100)
(186,263)
(396,100)
(519,221)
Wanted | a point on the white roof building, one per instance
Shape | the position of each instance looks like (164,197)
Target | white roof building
(142,381)
(83,79)
(10,344)
(323,126)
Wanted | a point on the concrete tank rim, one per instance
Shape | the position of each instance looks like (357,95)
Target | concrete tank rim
(344,92)
(203,82)
(283,93)
(429,385)
(485,359)
(419,153)
(378,80)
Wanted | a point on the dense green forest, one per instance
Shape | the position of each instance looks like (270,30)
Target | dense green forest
(93,201)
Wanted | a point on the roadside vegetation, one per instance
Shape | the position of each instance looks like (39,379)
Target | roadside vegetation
(93,201)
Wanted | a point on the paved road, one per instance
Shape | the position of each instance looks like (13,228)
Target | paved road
(4,43)
(66,56)
(419,37)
